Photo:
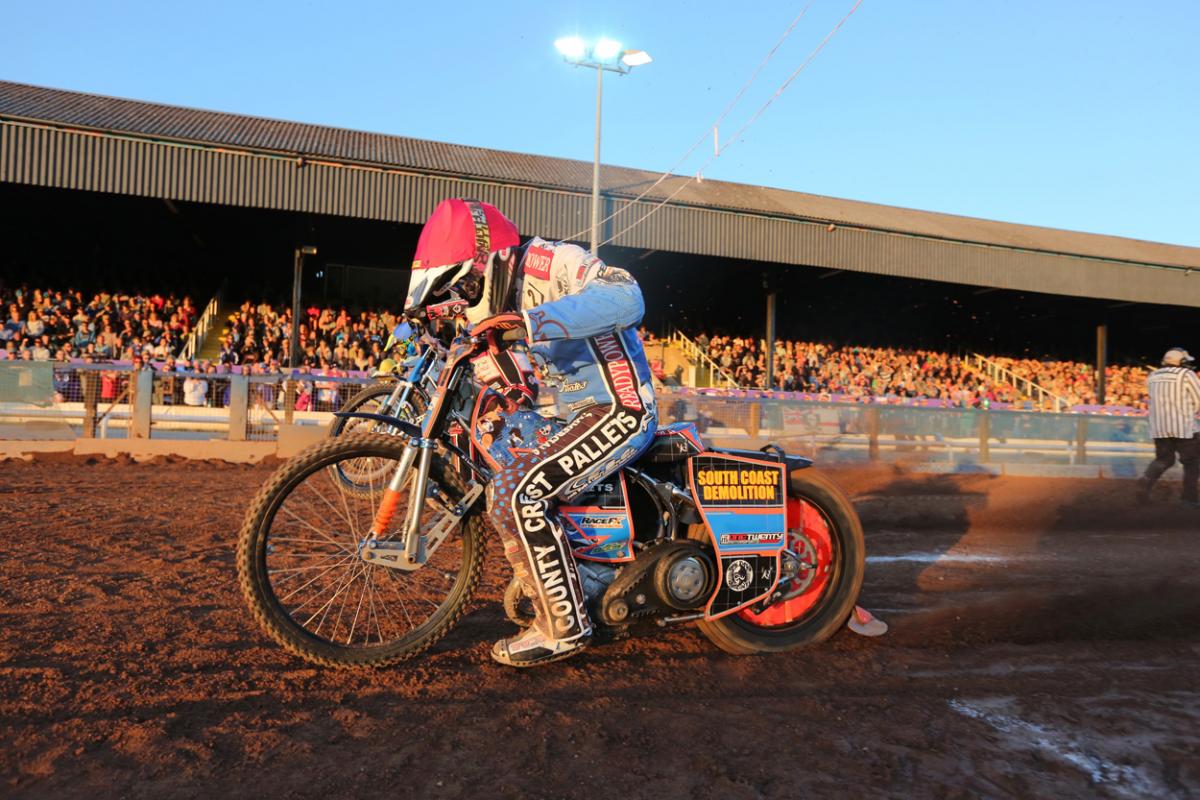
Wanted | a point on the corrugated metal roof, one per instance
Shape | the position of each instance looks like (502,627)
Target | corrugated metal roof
(156,121)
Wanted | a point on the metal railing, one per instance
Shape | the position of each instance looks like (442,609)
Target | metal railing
(47,400)
(1045,398)
(717,376)
(875,431)
(204,324)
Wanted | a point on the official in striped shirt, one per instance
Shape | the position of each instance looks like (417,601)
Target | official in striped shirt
(1174,403)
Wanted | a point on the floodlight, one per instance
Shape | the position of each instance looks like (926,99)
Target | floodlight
(636,58)
(606,50)
(571,46)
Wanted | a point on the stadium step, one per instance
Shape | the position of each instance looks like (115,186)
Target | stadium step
(987,368)
(698,370)
(211,347)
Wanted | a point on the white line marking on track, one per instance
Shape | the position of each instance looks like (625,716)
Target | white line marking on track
(1120,778)
(947,558)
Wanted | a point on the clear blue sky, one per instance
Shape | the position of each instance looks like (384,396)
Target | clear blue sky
(1067,113)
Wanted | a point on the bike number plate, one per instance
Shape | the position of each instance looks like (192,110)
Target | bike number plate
(744,505)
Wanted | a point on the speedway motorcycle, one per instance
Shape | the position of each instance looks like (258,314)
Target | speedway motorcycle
(758,550)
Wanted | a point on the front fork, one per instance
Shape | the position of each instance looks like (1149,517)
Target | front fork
(415,547)
(420,452)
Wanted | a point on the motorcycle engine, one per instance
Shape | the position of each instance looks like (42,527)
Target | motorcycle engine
(670,577)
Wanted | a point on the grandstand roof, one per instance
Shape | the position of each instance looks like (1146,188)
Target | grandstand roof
(76,109)
(51,137)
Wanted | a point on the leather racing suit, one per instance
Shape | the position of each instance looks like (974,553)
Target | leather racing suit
(581,317)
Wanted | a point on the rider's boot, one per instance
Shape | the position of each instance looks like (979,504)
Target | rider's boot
(561,627)
(531,648)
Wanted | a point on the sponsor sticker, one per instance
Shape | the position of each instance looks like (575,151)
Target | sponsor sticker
(537,263)
(739,575)
(592,521)
(620,371)
(734,539)
(483,236)
(737,484)
(592,449)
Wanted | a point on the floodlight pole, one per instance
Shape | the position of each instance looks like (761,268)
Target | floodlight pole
(594,247)
(601,67)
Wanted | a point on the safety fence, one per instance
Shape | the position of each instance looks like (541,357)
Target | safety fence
(50,400)
(860,432)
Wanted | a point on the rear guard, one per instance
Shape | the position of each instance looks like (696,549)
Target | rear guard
(598,523)
(743,503)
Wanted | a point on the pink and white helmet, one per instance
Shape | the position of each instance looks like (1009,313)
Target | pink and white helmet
(467,249)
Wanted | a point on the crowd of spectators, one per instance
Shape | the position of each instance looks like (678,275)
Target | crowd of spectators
(331,339)
(150,329)
(50,324)
(858,372)
(43,324)
(1075,381)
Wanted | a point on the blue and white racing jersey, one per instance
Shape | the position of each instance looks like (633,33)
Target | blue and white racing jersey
(582,318)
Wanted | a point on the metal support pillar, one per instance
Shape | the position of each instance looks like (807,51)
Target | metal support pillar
(769,361)
(239,398)
(873,433)
(754,421)
(90,383)
(143,388)
(985,435)
(1101,362)
(297,277)
(289,399)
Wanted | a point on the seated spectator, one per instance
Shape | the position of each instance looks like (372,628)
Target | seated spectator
(41,349)
(14,327)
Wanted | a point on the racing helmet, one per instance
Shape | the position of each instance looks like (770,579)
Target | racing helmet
(466,254)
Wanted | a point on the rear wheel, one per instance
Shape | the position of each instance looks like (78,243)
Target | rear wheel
(357,475)
(825,560)
(373,399)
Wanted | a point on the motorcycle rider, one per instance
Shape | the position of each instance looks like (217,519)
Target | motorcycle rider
(578,318)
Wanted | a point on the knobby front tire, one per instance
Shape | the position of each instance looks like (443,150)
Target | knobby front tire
(299,572)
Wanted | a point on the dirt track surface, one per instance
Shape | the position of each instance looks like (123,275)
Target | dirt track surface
(1045,641)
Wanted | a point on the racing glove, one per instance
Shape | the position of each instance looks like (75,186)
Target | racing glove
(510,327)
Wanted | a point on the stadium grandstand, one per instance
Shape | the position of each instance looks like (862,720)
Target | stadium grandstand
(157,233)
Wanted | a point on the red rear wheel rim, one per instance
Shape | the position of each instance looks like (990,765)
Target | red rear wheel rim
(809,535)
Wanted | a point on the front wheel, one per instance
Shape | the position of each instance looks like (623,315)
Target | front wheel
(825,556)
(303,580)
